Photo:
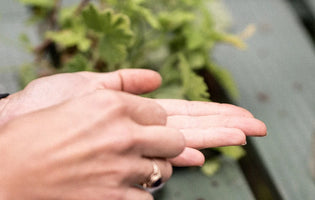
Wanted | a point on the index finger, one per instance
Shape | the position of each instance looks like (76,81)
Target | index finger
(159,142)
(144,111)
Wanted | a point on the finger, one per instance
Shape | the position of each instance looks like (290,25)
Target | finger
(213,137)
(159,142)
(250,126)
(135,81)
(195,108)
(188,158)
(133,193)
(145,111)
(144,169)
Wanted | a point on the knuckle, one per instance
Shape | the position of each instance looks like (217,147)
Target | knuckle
(105,100)
(128,143)
(161,113)
(150,113)
(128,138)
(179,139)
(125,172)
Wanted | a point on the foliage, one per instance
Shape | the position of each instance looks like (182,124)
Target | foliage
(211,167)
(174,37)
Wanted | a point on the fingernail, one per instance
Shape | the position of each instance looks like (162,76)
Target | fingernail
(244,143)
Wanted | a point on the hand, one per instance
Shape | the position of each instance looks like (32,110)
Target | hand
(207,125)
(204,124)
(98,146)
(52,90)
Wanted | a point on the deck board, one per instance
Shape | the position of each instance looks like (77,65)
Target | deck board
(191,184)
(312,4)
(275,77)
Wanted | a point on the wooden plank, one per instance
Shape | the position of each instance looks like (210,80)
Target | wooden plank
(276,81)
(229,183)
(191,184)
(312,4)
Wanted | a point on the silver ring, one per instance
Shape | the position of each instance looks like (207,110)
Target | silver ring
(155,178)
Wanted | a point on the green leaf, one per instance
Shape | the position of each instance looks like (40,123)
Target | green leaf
(93,19)
(77,63)
(211,167)
(194,38)
(197,60)
(230,39)
(68,38)
(66,16)
(39,3)
(114,30)
(106,21)
(194,85)
(136,10)
(234,152)
(169,72)
(173,91)
(112,52)
(150,18)
(225,78)
(175,19)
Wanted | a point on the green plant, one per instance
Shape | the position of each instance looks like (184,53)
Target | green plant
(174,37)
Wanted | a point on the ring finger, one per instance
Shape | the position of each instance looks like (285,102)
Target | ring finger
(150,172)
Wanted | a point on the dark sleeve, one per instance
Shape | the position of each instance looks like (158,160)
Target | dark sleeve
(4,95)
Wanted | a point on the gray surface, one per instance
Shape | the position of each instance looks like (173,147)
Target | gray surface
(312,4)
(191,184)
(276,81)
(12,54)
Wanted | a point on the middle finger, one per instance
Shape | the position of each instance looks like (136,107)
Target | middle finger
(159,141)
(250,126)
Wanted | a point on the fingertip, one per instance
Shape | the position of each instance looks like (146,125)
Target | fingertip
(261,129)
(264,129)
(189,158)
(237,137)
(139,81)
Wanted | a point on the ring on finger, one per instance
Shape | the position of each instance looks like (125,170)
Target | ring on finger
(155,179)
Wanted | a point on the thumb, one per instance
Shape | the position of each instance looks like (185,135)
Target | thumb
(135,81)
